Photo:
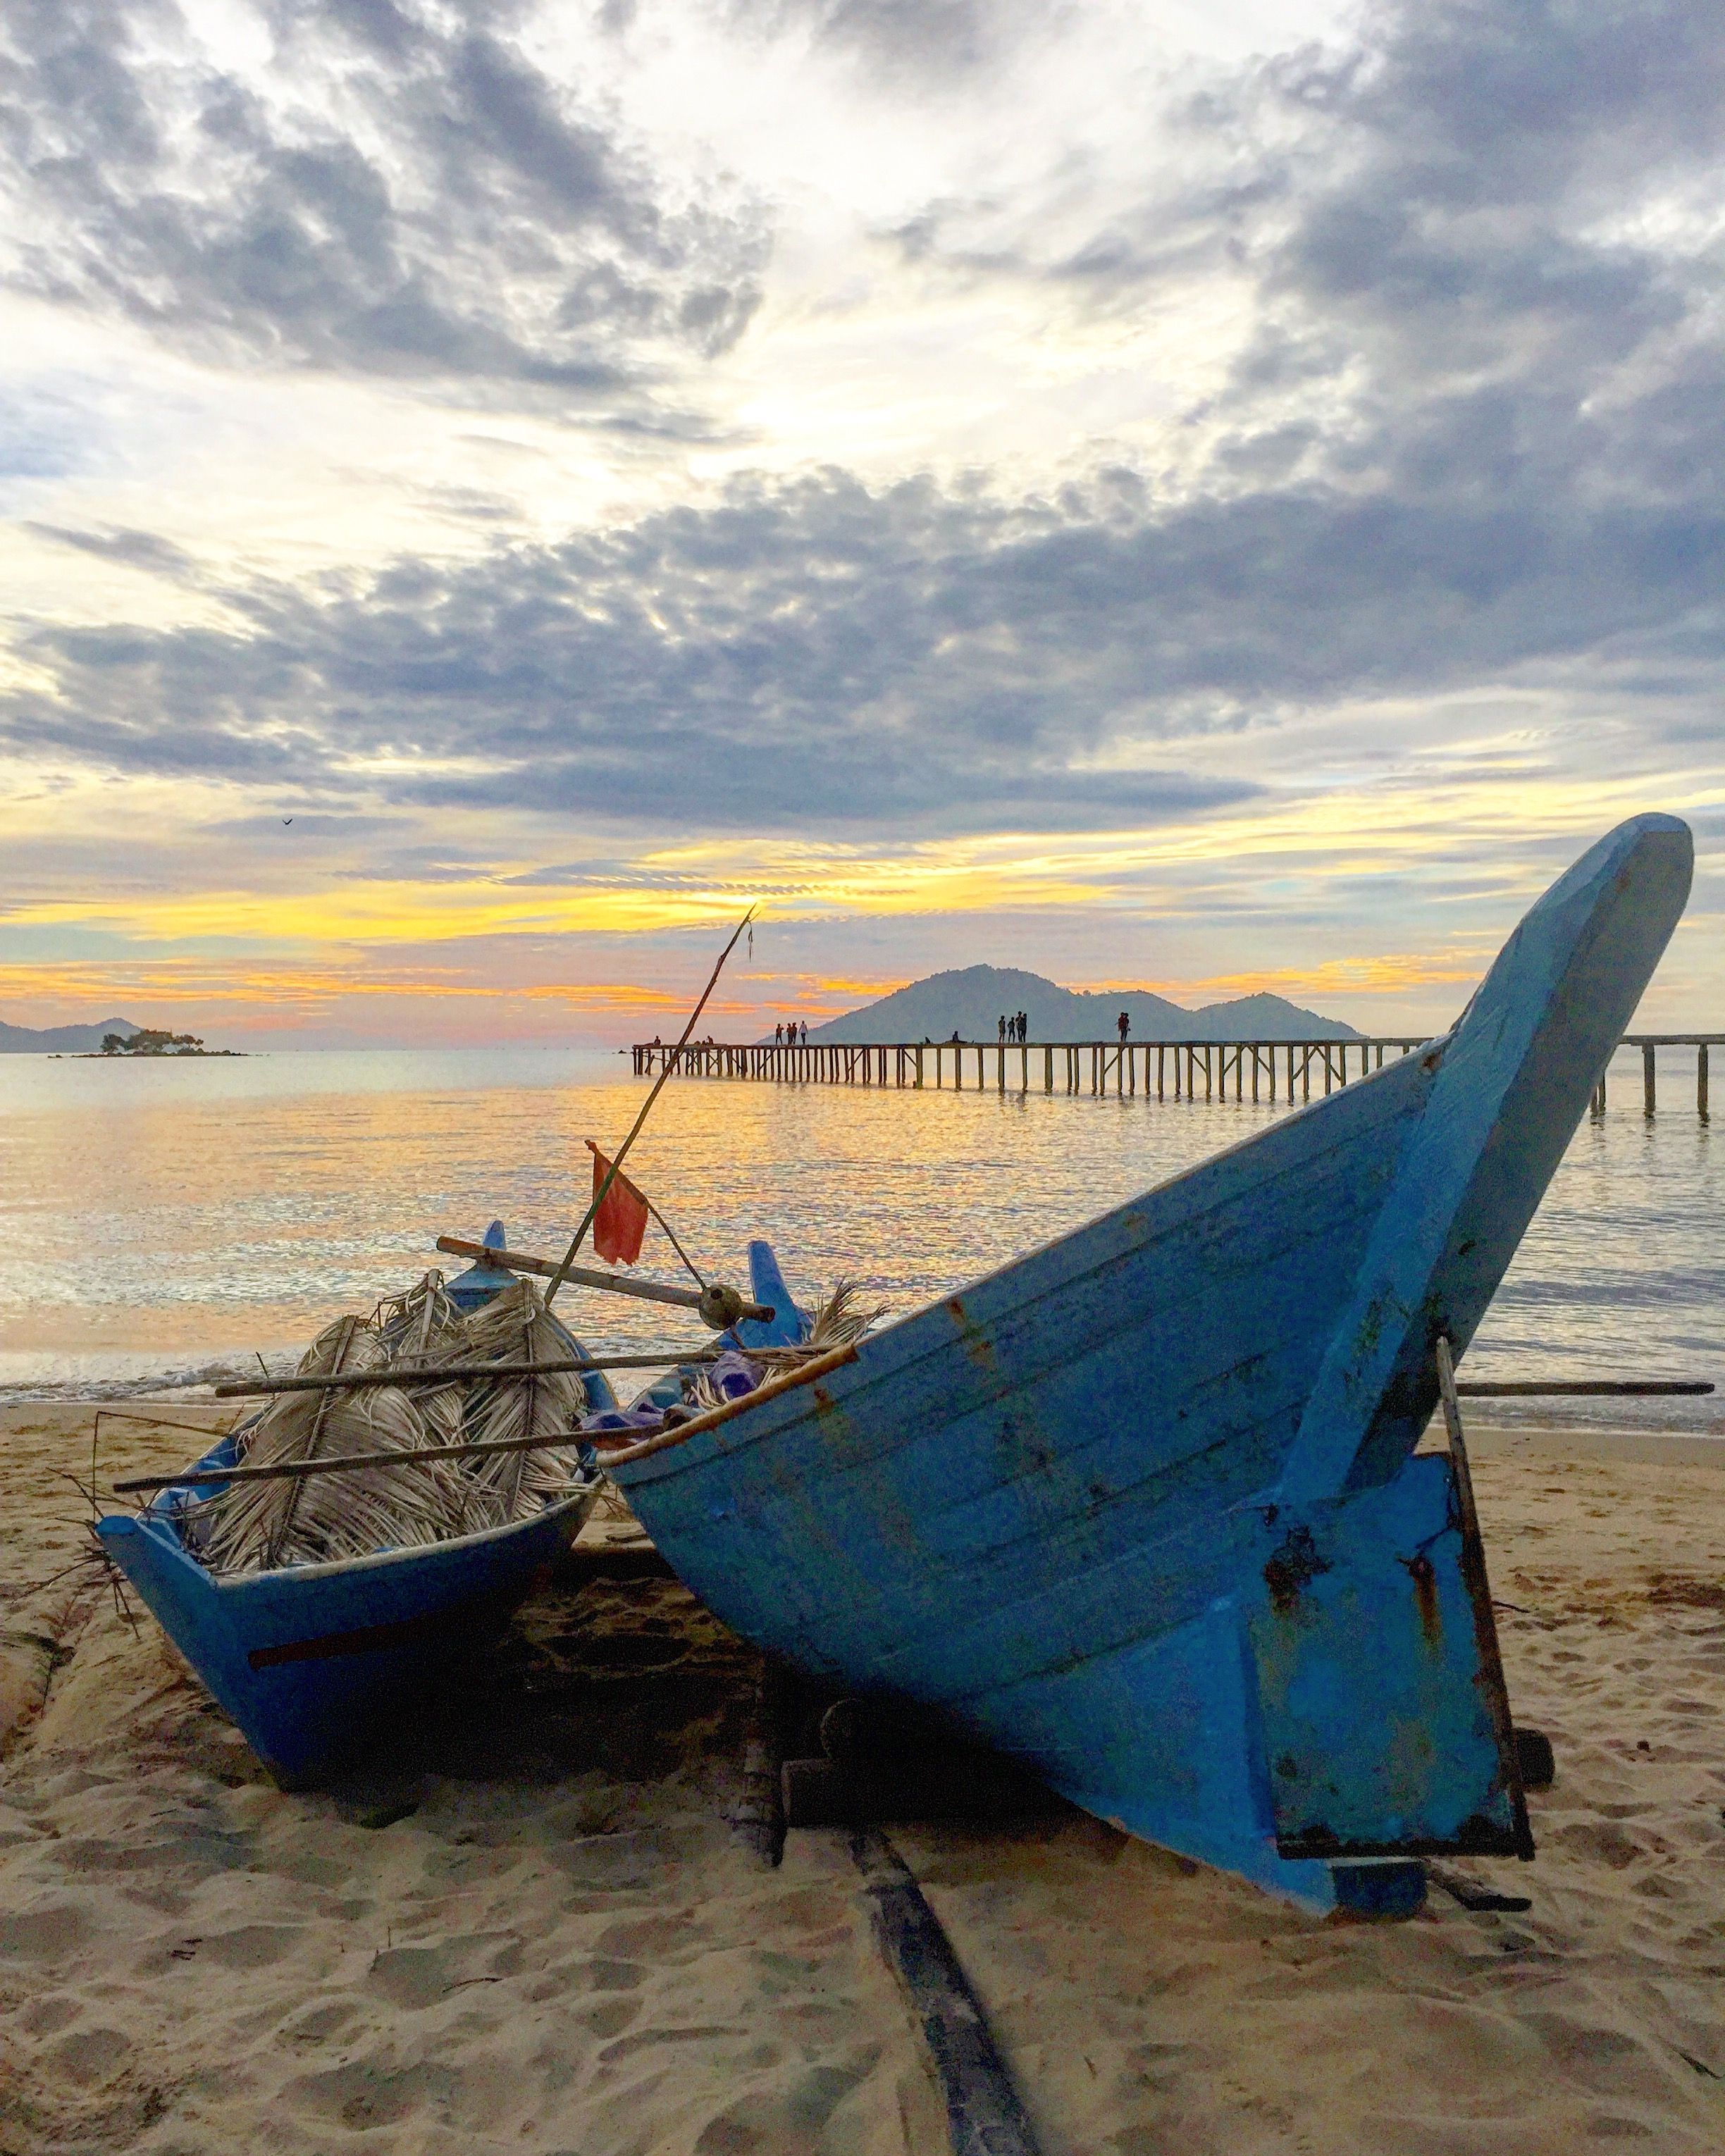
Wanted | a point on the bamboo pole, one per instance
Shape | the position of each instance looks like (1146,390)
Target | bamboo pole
(600,1195)
(454,1373)
(683,1298)
(820,1366)
(280,1471)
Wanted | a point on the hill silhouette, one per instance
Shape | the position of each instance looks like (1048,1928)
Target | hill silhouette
(971,1000)
(60,1040)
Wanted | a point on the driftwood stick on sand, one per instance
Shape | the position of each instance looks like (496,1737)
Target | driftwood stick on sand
(984,2115)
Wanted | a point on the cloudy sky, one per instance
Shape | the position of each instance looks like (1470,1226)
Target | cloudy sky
(1194,493)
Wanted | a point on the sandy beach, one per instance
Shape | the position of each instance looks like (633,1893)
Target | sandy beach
(540,1932)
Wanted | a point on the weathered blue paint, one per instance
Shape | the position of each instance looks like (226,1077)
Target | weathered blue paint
(468,1291)
(314,1661)
(766,1287)
(1059,1505)
(1376,1731)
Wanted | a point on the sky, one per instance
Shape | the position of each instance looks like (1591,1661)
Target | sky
(1213,498)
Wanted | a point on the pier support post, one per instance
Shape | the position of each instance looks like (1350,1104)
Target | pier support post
(1647,1084)
(1701,1081)
(1048,1069)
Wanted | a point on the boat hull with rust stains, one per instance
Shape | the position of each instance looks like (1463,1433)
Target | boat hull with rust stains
(1143,1509)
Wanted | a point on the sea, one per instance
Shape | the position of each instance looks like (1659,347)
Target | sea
(164,1223)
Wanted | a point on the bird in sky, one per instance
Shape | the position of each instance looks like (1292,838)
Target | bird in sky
(286,820)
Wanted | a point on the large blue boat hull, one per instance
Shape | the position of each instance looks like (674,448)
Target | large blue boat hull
(1141,1509)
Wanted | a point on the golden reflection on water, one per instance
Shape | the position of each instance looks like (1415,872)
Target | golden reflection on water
(161,1216)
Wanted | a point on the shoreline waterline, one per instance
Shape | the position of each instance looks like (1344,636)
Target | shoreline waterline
(151,1235)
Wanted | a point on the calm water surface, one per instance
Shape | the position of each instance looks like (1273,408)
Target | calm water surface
(167,1216)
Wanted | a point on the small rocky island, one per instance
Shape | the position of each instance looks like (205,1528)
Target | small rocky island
(149,1040)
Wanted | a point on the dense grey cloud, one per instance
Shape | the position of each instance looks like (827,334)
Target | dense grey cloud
(1481,243)
(1487,250)
(402,192)
(816,653)
(810,650)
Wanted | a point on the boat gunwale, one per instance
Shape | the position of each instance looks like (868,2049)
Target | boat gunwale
(734,1437)
(158,1520)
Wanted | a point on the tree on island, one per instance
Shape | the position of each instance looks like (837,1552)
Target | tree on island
(150,1042)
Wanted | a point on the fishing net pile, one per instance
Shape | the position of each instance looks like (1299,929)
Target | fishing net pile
(310,1519)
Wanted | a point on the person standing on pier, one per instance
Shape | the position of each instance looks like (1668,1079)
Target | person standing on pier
(778,1034)
(1124,1023)
(805,1033)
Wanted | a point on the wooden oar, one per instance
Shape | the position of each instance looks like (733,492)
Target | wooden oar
(719,1305)
(1583,1389)
(451,1373)
(818,1366)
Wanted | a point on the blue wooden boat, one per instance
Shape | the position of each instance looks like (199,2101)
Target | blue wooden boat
(315,1662)
(1144,1508)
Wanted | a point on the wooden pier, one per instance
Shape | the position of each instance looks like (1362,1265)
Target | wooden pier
(1263,1071)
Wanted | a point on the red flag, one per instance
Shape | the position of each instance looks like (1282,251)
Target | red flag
(621,1221)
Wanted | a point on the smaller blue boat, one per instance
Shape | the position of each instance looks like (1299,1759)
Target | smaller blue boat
(315,1662)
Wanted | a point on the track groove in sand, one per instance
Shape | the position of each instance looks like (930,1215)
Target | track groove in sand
(556,1944)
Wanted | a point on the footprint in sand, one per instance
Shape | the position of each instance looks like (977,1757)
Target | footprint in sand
(88,2056)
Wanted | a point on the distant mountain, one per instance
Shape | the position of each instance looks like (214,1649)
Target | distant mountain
(973,1000)
(60,1040)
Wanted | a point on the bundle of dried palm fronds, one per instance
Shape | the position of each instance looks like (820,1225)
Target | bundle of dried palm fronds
(515,1327)
(252,1527)
(838,1322)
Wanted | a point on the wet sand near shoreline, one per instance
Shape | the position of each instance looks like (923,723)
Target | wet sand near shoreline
(539,1931)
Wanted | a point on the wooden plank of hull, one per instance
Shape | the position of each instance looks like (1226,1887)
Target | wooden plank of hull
(311,1660)
(1048,1504)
